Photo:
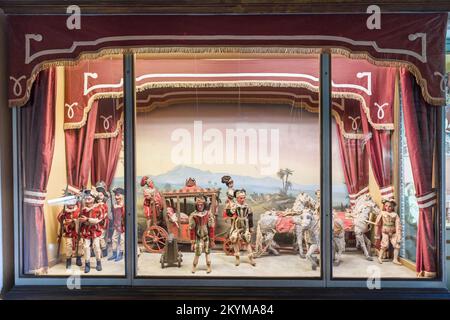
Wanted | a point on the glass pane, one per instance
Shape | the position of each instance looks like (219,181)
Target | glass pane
(72,171)
(379,216)
(221,130)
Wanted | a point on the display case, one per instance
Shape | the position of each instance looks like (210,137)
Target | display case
(188,153)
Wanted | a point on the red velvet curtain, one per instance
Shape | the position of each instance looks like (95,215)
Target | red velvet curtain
(105,158)
(37,119)
(355,163)
(79,148)
(380,153)
(420,128)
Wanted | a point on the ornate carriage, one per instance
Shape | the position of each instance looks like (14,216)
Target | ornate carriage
(175,219)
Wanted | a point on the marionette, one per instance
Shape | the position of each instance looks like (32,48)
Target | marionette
(241,225)
(228,181)
(338,239)
(90,218)
(388,229)
(201,231)
(118,238)
(152,201)
(68,218)
(101,199)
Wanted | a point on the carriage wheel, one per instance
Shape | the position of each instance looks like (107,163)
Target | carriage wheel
(154,239)
(228,247)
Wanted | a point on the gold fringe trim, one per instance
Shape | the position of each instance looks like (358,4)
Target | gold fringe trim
(115,133)
(102,95)
(421,81)
(426,274)
(264,50)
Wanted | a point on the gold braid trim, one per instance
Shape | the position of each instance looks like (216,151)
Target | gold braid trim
(115,133)
(263,50)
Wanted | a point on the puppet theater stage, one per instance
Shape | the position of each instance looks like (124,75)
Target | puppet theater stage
(72,126)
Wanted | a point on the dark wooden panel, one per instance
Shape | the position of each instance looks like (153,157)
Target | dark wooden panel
(220,6)
(144,293)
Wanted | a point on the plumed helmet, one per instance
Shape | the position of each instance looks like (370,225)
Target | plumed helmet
(146,181)
(200,199)
(119,190)
(101,187)
(89,193)
(227,179)
(190,182)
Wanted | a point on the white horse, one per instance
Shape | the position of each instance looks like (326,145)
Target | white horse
(266,228)
(362,214)
(308,223)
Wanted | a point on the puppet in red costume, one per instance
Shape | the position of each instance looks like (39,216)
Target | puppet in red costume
(90,219)
(118,238)
(68,218)
(101,199)
(152,201)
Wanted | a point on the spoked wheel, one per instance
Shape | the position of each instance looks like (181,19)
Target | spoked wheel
(154,239)
(228,247)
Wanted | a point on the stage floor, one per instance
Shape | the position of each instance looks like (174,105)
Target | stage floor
(286,265)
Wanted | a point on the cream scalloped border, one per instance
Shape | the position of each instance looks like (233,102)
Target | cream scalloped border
(265,50)
(229,84)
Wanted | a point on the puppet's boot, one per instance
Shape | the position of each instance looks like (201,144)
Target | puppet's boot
(105,252)
(238,261)
(87,267)
(396,261)
(119,256)
(78,262)
(194,267)
(208,264)
(380,256)
(113,256)
(250,259)
(68,263)
(98,267)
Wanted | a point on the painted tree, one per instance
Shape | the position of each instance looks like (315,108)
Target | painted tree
(280,175)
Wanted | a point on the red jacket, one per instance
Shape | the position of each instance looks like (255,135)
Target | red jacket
(67,218)
(92,228)
(148,207)
(198,223)
(105,222)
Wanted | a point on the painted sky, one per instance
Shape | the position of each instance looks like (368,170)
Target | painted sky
(298,132)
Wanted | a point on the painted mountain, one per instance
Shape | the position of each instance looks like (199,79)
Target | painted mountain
(175,178)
